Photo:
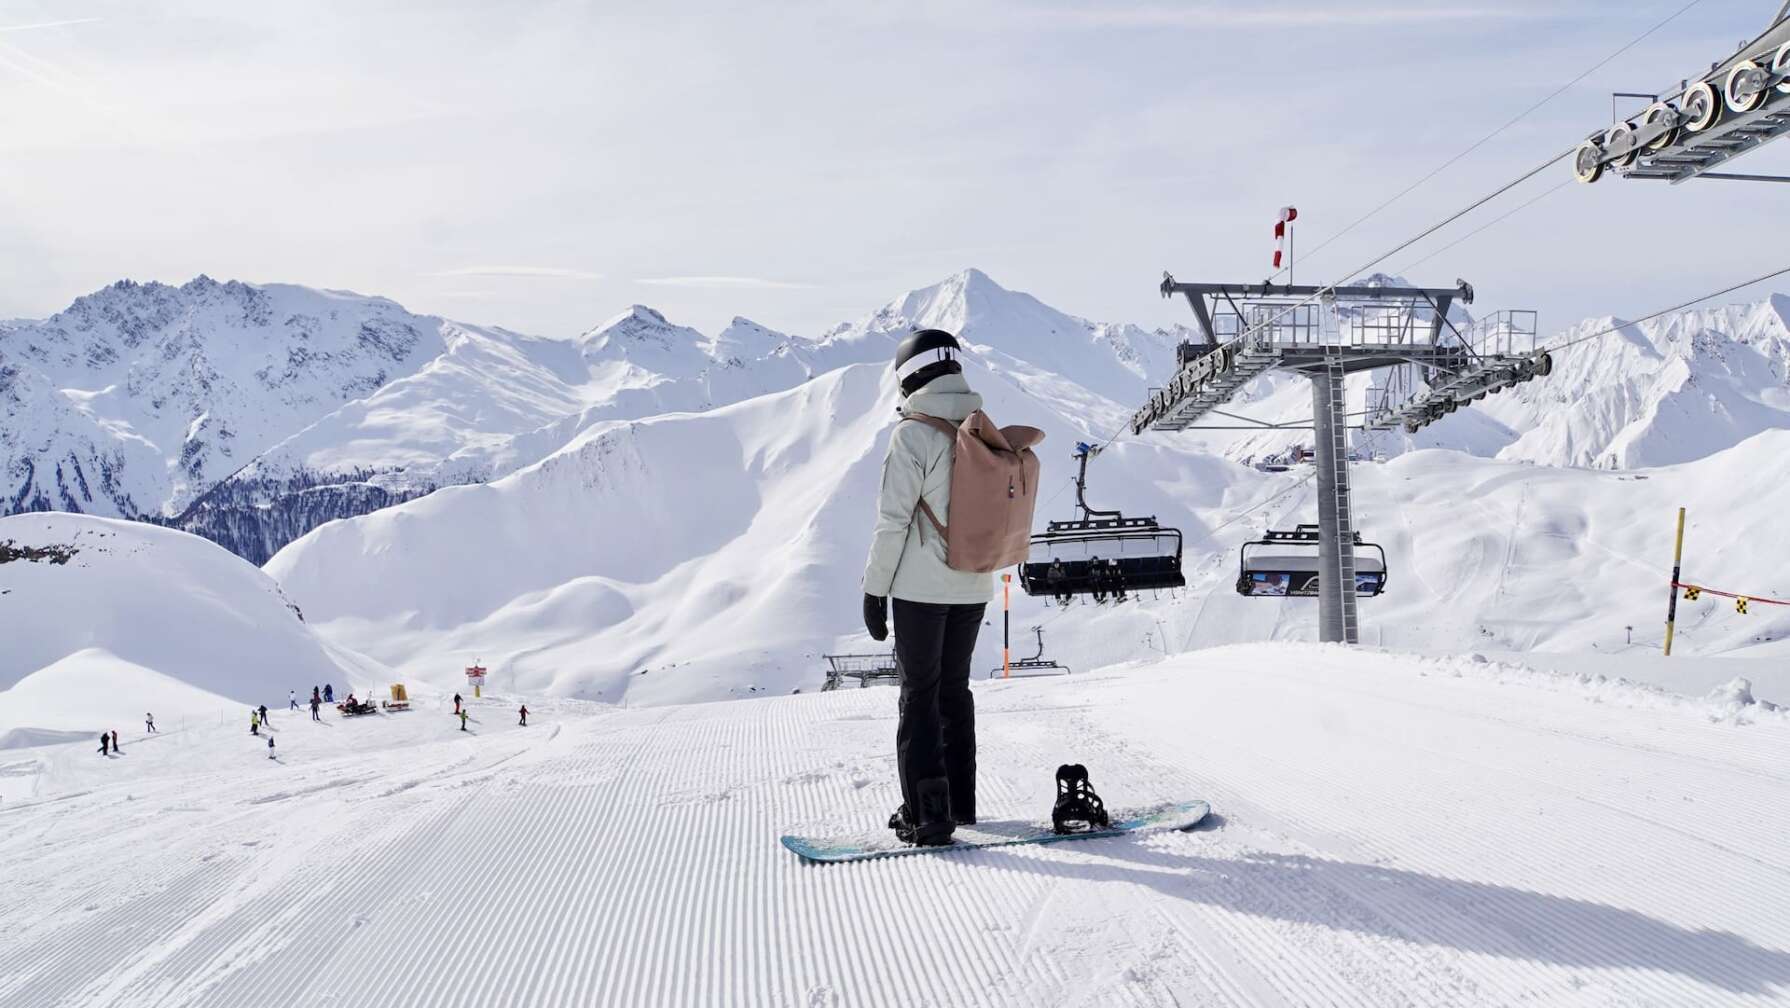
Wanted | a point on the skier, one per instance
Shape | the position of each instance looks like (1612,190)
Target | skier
(456,703)
(938,610)
(315,704)
(254,722)
(105,744)
(329,695)
(264,715)
(462,720)
(316,697)
(116,748)
(270,747)
(292,699)
(524,721)
(149,723)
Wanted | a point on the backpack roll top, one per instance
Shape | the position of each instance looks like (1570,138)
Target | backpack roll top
(994,493)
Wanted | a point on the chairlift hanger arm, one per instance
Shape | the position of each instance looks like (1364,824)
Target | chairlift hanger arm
(1081,486)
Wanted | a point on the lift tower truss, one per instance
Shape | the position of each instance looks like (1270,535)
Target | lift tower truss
(1326,334)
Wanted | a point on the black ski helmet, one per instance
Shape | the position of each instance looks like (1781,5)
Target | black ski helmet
(924,355)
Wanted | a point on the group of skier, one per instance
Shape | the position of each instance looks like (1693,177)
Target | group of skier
(108,741)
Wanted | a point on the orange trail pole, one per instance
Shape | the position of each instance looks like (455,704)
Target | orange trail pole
(1006,626)
(1672,602)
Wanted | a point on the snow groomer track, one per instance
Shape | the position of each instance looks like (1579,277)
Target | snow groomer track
(1386,830)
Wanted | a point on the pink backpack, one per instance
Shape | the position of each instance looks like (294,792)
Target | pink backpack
(994,490)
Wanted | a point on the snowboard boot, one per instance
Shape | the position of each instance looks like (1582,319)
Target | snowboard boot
(1078,808)
(933,826)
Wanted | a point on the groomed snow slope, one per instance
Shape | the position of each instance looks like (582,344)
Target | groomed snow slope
(139,614)
(1388,830)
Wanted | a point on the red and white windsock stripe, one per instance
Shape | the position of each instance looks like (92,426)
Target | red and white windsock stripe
(1287,216)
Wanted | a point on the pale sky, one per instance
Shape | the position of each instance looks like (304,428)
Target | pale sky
(542,166)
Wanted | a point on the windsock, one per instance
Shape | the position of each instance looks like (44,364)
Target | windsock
(1287,216)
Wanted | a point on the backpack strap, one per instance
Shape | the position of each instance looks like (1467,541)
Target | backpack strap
(948,429)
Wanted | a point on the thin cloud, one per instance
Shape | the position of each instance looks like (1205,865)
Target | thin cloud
(549,272)
(1209,17)
(48,24)
(724,283)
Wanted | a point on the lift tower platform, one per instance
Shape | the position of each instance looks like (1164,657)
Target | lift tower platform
(1326,334)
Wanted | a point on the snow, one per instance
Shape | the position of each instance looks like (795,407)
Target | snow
(93,690)
(1388,829)
(144,619)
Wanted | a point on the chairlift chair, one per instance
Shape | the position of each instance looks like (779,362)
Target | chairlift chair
(1285,565)
(1102,554)
(862,667)
(1036,665)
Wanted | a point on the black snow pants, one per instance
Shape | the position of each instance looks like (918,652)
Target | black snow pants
(936,735)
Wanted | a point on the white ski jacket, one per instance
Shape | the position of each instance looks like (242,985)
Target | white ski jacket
(907,555)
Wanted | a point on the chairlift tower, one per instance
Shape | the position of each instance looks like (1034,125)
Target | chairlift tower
(1326,334)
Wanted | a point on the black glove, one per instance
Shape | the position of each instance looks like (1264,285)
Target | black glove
(876,616)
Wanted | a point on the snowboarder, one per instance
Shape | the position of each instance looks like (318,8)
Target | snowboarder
(149,723)
(938,610)
(254,722)
(524,721)
(116,748)
(329,695)
(456,703)
(315,705)
(270,747)
(105,744)
(292,699)
(462,720)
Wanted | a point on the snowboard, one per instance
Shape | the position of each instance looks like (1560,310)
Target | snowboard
(882,843)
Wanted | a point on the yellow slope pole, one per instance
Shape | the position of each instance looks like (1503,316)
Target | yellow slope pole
(1677,561)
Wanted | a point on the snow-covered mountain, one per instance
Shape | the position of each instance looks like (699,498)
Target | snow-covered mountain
(690,556)
(253,413)
(1667,391)
(655,513)
(250,414)
(140,397)
(693,554)
(107,619)
(1671,390)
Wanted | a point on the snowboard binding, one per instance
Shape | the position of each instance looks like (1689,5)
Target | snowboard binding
(1078,808)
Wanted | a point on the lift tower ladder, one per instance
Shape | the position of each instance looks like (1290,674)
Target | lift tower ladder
(1327,334)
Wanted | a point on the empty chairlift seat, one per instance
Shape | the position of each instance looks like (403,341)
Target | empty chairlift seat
(1036,665)
(1285,564)
(1102,554)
